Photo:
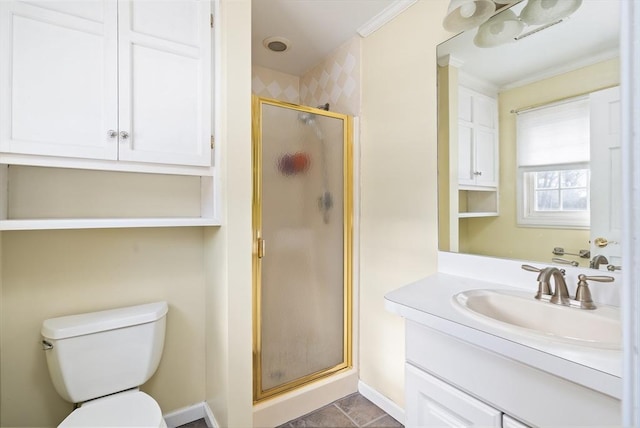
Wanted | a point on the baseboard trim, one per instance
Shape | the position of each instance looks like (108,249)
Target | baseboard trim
(381,401)
(189,414)
(291,405)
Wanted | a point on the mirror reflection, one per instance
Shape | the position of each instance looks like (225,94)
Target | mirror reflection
(528,144)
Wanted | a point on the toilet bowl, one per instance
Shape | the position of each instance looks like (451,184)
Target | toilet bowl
(99,359)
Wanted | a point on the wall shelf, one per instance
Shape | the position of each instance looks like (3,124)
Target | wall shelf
(40,198)
(478,203)
(478,214)
(99,223)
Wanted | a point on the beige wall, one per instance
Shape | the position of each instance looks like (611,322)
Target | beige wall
(448,201)
(500,236)
(228,249)
(52,273)
(398,226)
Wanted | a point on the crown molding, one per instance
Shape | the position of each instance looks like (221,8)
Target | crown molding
(393,10)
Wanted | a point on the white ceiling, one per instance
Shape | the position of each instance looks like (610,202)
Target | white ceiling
(589,35)
(314,27)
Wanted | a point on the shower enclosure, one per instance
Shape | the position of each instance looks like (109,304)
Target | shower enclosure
(302,228)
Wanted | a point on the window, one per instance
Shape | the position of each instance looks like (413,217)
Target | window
(553,165)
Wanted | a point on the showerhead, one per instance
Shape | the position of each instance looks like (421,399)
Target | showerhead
(307,118)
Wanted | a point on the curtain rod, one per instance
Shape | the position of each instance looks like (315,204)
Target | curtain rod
(558,100)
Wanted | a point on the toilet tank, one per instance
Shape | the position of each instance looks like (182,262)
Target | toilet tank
(99,353)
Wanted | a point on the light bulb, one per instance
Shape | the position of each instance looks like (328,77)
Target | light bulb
(497,28)
(468,9)
(548,4)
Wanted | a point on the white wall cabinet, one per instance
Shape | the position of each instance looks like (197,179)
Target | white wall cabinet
(477,139)
(117,89)
(111,80)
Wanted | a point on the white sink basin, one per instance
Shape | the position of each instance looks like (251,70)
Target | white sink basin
(519,312)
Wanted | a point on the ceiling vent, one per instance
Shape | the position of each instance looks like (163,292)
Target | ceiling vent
(276,44)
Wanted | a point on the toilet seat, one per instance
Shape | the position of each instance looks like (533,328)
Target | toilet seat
(125,409)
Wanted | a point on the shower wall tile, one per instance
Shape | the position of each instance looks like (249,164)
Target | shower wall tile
(269,83)
(336,80)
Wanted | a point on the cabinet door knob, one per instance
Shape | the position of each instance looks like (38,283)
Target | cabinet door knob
(124,135)
(112,134)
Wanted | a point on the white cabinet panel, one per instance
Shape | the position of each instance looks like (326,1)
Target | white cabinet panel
(465,154)
(477,139)
(71,72)
(173,21)
(91,10)
(484,111)
(509,422)
(486,173)
(58,82)
(163,83)
(465,106)
(433,403)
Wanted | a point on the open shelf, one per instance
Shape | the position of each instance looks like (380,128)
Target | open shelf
(478,203)
(99,223)
(39,198)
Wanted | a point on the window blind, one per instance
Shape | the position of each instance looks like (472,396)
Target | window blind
(554,134)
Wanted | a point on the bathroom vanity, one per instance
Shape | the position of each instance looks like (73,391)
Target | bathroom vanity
(463,370)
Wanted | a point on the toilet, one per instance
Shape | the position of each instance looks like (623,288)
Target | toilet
(98,360)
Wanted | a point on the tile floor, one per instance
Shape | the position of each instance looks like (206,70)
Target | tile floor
(352,411)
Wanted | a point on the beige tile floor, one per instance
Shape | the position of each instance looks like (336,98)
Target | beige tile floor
(352,411)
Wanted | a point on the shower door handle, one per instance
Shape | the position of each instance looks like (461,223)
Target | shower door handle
(262,247)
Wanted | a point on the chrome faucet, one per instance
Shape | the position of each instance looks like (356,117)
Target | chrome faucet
(543,286)
(598,260)
(560,292)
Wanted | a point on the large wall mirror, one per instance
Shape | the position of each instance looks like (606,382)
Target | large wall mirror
(528,136)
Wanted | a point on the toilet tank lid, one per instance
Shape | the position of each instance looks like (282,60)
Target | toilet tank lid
(94,322)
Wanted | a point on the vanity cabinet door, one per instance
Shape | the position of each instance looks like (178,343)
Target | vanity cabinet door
(58,78)
(431,402)
(509,422)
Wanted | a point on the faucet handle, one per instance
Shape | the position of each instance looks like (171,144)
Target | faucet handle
(565,261)
(597,278)
(532,268)
(583,294)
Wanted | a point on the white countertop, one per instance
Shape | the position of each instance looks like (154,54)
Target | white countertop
(429,302)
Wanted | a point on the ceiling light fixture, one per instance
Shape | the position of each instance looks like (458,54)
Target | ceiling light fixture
(499,29)
(541,12)
(465,14)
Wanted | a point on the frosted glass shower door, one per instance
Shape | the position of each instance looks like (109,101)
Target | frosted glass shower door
(302,262)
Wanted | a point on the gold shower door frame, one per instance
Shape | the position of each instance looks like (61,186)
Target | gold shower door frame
(257,104)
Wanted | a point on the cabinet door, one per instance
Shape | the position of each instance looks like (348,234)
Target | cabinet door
(477,139)
(465,154)
(431,402)
(58,78)
(485,158)
(164,62)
